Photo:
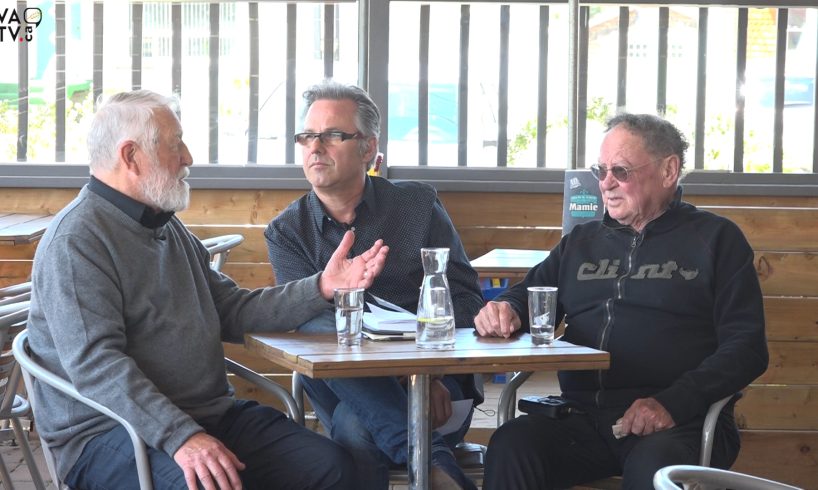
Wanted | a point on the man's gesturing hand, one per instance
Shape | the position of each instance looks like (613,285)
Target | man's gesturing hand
(206,459)
(357,272)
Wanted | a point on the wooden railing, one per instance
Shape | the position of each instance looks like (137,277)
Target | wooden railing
(779,412)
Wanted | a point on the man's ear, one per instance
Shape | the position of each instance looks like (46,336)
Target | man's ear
(670,170)
(127,153)
(371,149)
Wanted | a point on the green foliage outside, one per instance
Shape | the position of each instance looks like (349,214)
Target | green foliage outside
(42,130)
(598,110)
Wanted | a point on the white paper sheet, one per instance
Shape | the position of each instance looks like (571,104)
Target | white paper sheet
(389,318)
(460,410)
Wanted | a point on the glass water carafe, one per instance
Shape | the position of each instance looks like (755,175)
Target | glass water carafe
(435,311)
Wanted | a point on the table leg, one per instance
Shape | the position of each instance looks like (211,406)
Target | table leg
(420,432)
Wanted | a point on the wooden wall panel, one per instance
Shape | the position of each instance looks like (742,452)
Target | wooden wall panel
(787,273)
(791,318)
(250,275)
(784,456)
(36,201)
(493,209)
(14,271)
(479,240)
(791,363)
(235,206)
(793,407)
(253,249)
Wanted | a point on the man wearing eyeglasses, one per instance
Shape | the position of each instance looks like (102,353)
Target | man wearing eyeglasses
(369,415)
(671,292)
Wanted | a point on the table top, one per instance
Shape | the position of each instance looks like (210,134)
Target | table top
(21,229)
(320,356)
(508,262)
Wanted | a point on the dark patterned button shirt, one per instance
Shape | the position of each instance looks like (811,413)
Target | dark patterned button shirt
(406,215)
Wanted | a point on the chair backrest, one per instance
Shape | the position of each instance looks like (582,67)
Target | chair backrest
(15,294)
(34,370)
(9,371)
(698,477)
(219,248)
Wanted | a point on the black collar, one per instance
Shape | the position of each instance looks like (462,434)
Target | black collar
(141,213)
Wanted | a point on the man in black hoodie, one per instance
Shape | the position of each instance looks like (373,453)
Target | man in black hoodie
(671,292)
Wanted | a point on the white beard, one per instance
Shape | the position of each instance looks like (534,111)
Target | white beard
(164,191)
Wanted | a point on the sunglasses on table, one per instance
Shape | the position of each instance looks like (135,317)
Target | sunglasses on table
(327,138)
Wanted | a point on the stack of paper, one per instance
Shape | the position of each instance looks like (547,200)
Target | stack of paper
(386,321)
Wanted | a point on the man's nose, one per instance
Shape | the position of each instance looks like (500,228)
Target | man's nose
(187,158)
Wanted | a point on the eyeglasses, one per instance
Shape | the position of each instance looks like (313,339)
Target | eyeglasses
(327,138)
(620,173)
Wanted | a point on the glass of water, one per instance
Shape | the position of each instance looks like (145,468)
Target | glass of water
(349,315)
(542,310)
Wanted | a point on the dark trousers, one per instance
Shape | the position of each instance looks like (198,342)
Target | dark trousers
(277,452)
(535,452)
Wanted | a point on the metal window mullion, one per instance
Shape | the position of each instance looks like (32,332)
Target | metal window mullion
(701,88)
(463,88)
(815,120)
(60,88)
(502,88)
(542,86)
(136,45)
(582,84)
(22,96)
(99,25)
(741,78)
(622,66)
(661,76)
(289,107)
(423,87)
(213,86)
(176,48)
(780,80)
(252,130)
(329,39)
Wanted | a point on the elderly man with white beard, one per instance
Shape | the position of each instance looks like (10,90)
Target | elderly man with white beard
(126,307)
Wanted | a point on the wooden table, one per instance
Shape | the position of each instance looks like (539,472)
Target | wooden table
(22,229)
(508,262)
(320,356)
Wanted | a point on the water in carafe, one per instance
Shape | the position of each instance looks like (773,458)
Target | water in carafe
(435,311)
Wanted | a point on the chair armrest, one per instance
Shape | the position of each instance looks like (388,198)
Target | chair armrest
(269,386)
(507,406)
(710,478)
(298,393)
(219,248)
(709,428)
(33,369)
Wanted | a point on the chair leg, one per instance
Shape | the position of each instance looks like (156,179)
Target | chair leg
(4,473)
(22,439)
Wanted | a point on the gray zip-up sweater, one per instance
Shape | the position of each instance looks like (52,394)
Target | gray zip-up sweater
(134,318)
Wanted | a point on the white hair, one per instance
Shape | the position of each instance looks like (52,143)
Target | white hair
(125,116)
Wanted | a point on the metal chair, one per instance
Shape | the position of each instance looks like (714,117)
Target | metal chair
(220,247)
(15,294)
(506,410)
(33,370)
(701,478)
(13,406)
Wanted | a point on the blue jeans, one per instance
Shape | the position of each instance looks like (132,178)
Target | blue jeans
(277,452)
(368,416)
